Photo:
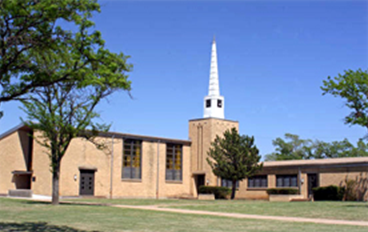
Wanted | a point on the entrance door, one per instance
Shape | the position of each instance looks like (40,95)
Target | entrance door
(87,182)
(200,179)
(312,183)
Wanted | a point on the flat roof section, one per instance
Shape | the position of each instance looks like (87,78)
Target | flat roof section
(314,162)
(200,119)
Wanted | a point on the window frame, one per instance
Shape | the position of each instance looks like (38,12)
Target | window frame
(257,177)
(290,180)
(132,148)
(173,146)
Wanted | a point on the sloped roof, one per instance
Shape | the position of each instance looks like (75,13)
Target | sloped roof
(24,127)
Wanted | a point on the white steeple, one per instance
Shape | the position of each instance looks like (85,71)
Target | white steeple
(214,103)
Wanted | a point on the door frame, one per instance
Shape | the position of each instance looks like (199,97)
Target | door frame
(309,187)
(91,171)
(196,179)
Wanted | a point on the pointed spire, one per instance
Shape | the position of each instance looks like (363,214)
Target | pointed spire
(214,89)
(214,103)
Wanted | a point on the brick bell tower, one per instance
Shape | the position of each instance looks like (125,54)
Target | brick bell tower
(204,130)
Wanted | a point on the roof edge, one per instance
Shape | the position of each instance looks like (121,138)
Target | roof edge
(12,130)
(200,119)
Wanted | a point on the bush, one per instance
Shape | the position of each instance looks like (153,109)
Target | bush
(219,192)
(328,193)
(350,190)
(283,191)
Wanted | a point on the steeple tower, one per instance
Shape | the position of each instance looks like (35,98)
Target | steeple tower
(213,102)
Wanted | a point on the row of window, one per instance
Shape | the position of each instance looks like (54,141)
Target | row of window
(132,167)
(208,103)
(132,160)
(262,182)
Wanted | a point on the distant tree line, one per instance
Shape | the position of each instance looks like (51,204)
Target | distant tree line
(295,148)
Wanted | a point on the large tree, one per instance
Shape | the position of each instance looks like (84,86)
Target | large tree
(352,86)
(30,28)
(234,157)
(63,110)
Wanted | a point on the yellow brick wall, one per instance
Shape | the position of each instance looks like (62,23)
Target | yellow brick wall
(82,153)
(202,132)
(12,157)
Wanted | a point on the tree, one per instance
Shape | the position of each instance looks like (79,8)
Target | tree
(234,157)
(30,28)
(64,110)
(297,149)
(352,86)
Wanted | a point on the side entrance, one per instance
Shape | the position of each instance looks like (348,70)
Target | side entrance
(87,182)
(199,181)
(312,182)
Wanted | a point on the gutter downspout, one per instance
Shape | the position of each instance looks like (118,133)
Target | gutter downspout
(112,165)
(158,169)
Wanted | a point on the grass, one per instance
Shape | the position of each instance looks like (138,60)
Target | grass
(22,215)
(163,202)
(357,211)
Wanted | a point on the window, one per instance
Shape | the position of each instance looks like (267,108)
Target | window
(208,103)
(174,157)
(286,181)
(219,103)
(228,183)
(257,182)
(132,159)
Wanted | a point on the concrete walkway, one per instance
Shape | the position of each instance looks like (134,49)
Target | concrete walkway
(248,216)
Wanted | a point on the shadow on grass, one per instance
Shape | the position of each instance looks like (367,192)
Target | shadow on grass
(363,205)
(67,203)
(35,226)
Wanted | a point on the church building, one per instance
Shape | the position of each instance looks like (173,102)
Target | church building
(138,166)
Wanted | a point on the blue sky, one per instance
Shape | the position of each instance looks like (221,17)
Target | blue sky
(273,57)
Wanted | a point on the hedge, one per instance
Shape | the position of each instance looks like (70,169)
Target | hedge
(282,191)
(219,192)
(328,193)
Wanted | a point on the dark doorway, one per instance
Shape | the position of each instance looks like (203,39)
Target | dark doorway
(87,182)
(200,180)
(312,183)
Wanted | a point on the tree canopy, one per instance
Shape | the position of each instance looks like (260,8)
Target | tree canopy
(295,148)
(234,157)
(352,86)
(31,30)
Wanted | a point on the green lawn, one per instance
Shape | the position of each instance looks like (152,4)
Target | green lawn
(357,211)
(163,202)
(22,215)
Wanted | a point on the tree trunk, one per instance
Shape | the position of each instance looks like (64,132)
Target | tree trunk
(233,189)
(55,185)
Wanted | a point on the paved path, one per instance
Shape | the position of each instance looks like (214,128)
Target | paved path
(248,216)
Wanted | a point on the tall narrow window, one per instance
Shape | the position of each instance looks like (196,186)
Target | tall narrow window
(174,163)
(208,103)
(219,103)
(132,159)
